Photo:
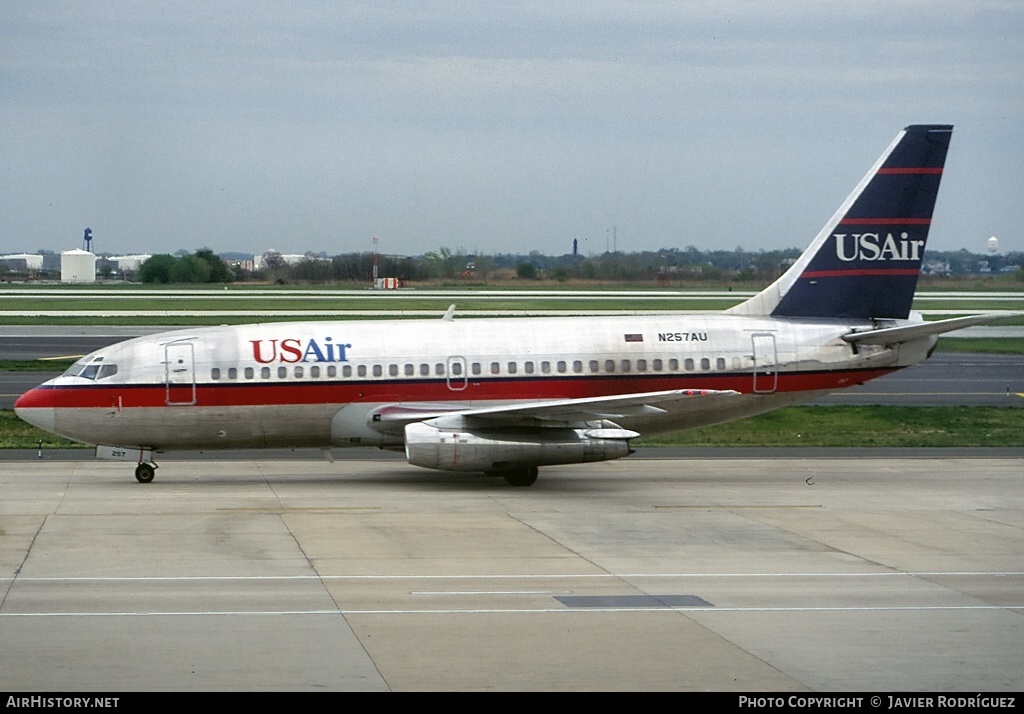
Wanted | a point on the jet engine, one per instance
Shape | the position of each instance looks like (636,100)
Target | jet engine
(498,448)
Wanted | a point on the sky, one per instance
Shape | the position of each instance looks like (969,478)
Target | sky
(494,127)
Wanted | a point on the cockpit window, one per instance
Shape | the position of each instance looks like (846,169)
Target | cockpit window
(75,369)
(92,368)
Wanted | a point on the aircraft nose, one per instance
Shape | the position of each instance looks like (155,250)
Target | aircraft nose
(36,407)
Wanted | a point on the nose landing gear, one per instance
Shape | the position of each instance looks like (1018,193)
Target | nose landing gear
(145,472)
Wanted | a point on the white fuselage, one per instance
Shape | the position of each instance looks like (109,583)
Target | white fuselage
(323,384)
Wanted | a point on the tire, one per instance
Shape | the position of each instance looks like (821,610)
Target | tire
(144,473)
(521,478)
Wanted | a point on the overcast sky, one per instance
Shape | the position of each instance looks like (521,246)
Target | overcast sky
(299,126)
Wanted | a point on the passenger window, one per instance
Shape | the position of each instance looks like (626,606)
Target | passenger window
(410,370)
(282,372)
(457,368)
(720,363)
(705,364)
(215,373)
(424,370)
(657,365)
(528,367)
(594,366)
(393,370)
(512,367)
(641,365)
(609,365)
(439,369)
(249,373)
(232,373)
(314,371)
(545,367)
(561,366)
(298,372)
(378,371)
(688,364)
(625,365)
(577,366)
(476,368)
(673,365)
(361,370)
(265,373)
(495,368)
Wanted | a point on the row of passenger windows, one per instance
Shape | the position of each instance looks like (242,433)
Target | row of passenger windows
(456,368)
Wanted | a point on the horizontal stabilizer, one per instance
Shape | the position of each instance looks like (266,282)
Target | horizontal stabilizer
(905,333)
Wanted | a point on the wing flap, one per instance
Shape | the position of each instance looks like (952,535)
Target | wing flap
(585,409)
(395,417)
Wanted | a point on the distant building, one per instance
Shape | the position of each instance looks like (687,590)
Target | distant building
(129,262)
(23,261)
(77,266)
(271,256)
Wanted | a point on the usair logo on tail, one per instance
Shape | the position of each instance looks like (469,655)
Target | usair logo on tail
(871,246)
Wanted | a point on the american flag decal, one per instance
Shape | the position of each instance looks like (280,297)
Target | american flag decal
(634,338)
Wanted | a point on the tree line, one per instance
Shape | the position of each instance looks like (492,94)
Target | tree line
(665,265)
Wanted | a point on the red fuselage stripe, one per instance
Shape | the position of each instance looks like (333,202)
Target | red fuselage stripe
(246,394)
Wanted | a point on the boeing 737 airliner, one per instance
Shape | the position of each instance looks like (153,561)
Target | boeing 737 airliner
(507,396)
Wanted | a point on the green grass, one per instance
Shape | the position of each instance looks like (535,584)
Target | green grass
(794,426)
(861,426)
(16,434)
(35,365)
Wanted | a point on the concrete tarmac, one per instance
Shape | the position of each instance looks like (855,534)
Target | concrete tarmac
(778,574)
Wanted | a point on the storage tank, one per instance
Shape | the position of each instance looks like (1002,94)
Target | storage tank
(77,266)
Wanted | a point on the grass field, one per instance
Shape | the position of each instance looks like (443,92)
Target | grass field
(861,426)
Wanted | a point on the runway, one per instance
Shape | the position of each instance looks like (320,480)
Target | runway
(785,574)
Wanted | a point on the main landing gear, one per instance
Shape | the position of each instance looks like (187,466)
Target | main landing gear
(523,476)
(145,472)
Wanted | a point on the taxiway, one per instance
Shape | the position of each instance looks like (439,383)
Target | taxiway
(839,574)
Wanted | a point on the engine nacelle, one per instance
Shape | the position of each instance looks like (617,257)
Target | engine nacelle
(502,448)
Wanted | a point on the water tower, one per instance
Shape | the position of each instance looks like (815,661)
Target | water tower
(87,240)
(993,245)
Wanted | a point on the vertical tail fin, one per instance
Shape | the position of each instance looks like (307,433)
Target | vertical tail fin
(866,260)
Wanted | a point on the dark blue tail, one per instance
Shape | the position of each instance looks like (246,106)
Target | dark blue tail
(866,260)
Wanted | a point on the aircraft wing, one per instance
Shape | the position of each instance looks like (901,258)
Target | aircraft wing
(905,333)
(558,410)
